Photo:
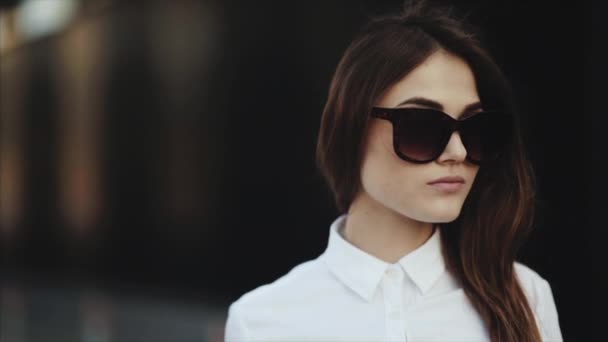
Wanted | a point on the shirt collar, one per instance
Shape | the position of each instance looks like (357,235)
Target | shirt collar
(362,272)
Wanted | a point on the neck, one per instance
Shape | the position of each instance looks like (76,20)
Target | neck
(382,232)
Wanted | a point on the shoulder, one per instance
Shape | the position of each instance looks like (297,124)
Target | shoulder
(278,303)
(301,277)
(540,296)
(531,282)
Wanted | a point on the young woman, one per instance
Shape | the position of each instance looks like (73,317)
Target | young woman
(420,146)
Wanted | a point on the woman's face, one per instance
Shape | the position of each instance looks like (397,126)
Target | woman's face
(401,185)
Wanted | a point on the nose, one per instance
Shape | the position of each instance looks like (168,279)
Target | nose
(454,150)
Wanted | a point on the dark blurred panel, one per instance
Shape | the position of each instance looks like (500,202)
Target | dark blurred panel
(8,4)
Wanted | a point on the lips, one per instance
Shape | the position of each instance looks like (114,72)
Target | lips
(449,179)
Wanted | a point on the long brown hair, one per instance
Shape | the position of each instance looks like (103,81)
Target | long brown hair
(481,245)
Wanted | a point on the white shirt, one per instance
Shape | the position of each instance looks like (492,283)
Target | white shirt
(346,294)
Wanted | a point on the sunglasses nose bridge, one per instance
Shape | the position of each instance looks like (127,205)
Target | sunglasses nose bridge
(455,125)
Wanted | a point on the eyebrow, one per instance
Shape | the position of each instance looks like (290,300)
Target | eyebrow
(421,101)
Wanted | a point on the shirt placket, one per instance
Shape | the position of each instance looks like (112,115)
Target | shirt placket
(392,285)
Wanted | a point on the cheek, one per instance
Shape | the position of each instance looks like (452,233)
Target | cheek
(387,178)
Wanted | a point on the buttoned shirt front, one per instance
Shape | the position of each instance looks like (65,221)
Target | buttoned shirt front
(346,294)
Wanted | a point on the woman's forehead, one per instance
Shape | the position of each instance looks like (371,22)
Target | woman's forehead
(443,78)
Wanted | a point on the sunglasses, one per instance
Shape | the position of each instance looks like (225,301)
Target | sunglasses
(420,135)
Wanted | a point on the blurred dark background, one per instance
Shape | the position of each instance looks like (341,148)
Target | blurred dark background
(157,157)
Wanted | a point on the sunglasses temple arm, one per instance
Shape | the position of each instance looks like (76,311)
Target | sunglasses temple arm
(381,113)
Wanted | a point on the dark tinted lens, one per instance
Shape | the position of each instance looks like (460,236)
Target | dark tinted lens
(485,135)
(421,134)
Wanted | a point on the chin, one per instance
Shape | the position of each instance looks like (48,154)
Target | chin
(445,219)
(433,215)
(443,216)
